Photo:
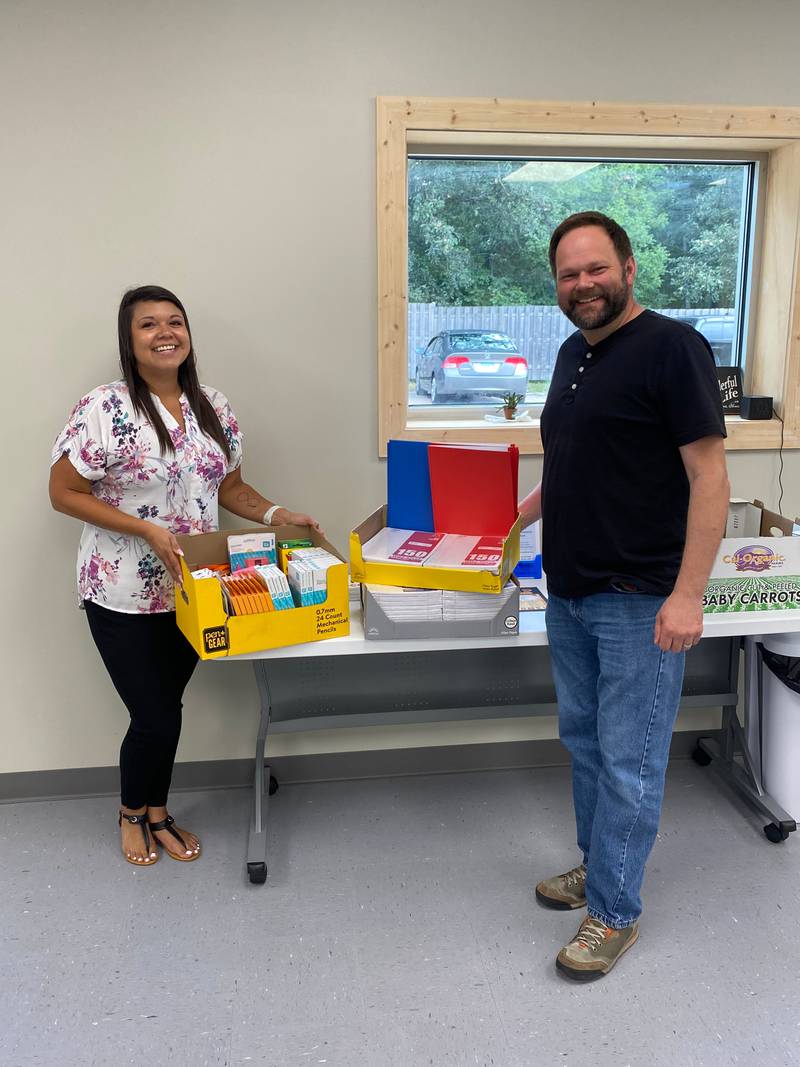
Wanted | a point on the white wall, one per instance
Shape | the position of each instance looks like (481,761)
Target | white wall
(227,151)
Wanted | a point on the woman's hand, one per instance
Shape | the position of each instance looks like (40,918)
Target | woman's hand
(284,517)
(165,546)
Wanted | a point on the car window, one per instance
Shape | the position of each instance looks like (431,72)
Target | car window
(478,342)
(719,326)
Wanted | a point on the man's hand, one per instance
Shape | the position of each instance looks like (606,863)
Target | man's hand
(679,624)
(167,549)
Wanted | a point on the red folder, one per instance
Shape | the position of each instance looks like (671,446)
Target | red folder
(474,488)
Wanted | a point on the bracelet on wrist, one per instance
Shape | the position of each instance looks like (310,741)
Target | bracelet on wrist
(269,514)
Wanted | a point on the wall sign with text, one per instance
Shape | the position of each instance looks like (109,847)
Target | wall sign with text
(730,389)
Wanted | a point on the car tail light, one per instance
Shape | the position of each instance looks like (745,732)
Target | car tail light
(455,361)
(518,365)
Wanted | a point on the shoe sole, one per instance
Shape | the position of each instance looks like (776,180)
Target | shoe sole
(180,859)
(592,976)
(558,905)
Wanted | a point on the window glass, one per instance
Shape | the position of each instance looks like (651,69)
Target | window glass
(478,265)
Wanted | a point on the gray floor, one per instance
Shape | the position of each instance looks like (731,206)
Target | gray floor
(397,926)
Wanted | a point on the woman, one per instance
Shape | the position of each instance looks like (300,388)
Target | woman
(141,460)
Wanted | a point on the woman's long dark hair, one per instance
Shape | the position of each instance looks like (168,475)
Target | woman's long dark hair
(207,418)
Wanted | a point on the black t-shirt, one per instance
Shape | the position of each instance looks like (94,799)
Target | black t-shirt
(614,489)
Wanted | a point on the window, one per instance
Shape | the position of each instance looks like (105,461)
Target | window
(468,193)
(478,234)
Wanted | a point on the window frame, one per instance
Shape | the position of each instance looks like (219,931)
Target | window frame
(774,360)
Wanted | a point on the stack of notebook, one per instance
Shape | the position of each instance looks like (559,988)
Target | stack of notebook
(419,548)
(457,606)
(393,611)
(401,604)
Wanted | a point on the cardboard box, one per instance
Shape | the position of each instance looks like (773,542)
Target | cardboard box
(759,571)
(202,617)
(428,577)
(744,519)
(378,626)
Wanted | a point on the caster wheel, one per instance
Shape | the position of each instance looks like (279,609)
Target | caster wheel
(775,833)
(257,873)
(701,758)
(273,785)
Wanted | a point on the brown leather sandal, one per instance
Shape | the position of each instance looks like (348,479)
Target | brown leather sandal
(168,824)
(149,843)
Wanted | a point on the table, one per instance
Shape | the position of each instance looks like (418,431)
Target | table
(349,681)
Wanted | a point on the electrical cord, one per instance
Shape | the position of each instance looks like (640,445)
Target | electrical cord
(780,469)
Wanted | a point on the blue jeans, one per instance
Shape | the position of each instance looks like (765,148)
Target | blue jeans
(618,696)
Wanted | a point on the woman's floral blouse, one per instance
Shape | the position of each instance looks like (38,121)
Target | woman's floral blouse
(117,450)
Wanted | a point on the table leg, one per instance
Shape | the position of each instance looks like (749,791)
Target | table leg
(257,841)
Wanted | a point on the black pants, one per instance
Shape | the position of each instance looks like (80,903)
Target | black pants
(150,662)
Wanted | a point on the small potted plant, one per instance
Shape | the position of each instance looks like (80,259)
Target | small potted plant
(510,404)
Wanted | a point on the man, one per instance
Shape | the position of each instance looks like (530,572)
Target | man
(633,501)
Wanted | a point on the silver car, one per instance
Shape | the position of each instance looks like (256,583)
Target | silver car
(457,363)
(720,332)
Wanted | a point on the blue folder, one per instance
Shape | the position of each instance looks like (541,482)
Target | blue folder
(408,486)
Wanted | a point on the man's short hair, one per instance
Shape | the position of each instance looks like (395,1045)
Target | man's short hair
(620,239)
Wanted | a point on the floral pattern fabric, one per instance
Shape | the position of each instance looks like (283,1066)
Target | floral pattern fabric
(117,450)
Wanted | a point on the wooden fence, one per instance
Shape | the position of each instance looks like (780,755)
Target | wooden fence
(537,330)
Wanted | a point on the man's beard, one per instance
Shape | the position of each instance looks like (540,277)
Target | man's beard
(597,315)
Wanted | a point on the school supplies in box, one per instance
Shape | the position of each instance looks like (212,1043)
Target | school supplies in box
(401,546)
(246,594)
(307,574)
(421,549)
(214,568)
(392,612)
(249,550)
(205,619)
(285,546)
(458,606)
(459,550)
(383,571)
(277,585)
(401,604)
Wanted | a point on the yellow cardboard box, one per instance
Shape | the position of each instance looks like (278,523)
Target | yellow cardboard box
(202,617)
(428,577)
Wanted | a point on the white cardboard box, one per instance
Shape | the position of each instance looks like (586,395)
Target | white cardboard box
(744,519)
(756,573)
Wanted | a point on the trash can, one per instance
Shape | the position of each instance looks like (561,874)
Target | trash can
(780,720)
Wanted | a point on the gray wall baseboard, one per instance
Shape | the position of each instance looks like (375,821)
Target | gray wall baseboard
(328,766)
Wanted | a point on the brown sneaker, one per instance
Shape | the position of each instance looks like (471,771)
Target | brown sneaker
(594,950)
(565,891)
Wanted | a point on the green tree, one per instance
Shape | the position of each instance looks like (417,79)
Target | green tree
(479,230)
